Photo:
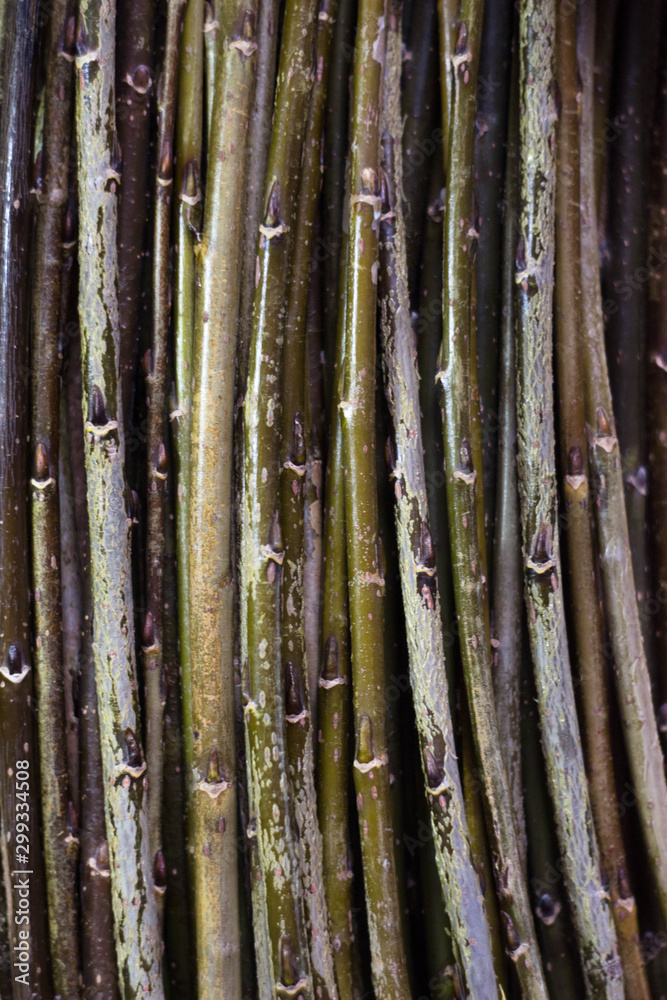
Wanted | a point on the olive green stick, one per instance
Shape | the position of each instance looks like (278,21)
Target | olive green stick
(212,800)
(187,211)
(278,913)
(364,554)
(334,697)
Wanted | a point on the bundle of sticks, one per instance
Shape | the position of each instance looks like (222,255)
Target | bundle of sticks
(333,499)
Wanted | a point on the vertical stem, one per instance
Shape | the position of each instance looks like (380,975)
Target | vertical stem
(259,139)
(657,374)
(364,554)
(333,182)
(459,396)
(299,733)
(544,866)
(134,85)
(631,671)
(155,367)
(212,771)
(333,748)
(543,578)
(187,146)
(60,848)
(19,776)
(178,937)
(278,917)
(588,632)
(493,90)
(459,882)
(421,132)
(508,578)
(623,280)
(138,945)
(97,939)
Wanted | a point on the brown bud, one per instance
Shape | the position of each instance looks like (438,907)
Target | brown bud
(624,890)
(542,546)
(288,968)
(385,193)
(148,631)
(213,776)
(160,871)
(521,253)
(41,462)
(147,363)
(135,506)
(390,453)
(141,79)
(275,534)
(274,208)
(466,466)
(546,907)
(82,43)
(293,697)
(134,758)
(161,461)
(513,941)
(426,589)
(433,768)
(603,425)
(99,409)
(575,462)
(662,718)
(190,187)
(70,36)
(426,553)
(365,747)
(298,446)
(461,40)
(330,666)
(14,659)
(166,168)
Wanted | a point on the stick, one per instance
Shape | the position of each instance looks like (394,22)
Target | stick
(136,927)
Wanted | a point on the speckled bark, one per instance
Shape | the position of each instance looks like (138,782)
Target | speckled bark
(459,395)
(459,881)
(543,579)
(138,945)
